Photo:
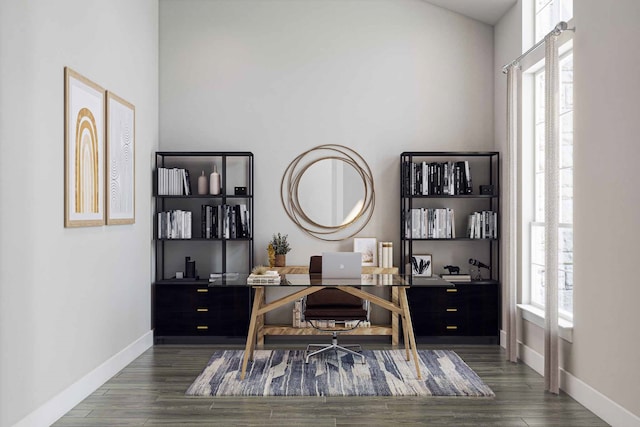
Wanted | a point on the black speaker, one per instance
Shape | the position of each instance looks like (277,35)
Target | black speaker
(240,191)
(486,190)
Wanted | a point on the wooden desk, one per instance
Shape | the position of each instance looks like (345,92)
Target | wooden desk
(401,307)
(392,330)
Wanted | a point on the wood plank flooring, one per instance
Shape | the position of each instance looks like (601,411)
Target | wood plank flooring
(150,392)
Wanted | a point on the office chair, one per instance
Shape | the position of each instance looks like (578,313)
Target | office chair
(332,304)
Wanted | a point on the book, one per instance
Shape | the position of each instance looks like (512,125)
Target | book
(267,279)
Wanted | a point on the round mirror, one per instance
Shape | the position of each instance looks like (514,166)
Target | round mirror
(328,192)
(331,192)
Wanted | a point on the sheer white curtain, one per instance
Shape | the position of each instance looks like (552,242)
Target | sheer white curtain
(511,212)
(551,218)
(512,249)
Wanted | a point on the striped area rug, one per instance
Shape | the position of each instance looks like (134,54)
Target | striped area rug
(385,373)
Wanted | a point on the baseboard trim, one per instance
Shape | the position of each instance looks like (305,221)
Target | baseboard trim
(59,405)
(531,358)
(610,411)
(596,402)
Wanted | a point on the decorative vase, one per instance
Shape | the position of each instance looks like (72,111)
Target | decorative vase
(214,182)
(281,260)
(203,184)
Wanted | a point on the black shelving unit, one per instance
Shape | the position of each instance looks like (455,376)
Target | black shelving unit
(471,311)
(189,309)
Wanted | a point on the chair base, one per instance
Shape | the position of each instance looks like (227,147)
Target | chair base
(334,346)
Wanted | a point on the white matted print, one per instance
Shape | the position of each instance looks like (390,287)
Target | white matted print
(422,265)
(369,249)
(120,160)
(84,132)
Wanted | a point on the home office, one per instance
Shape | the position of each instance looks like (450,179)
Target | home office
(277,78)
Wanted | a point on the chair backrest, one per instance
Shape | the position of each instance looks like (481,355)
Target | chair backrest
(329,296)
(315,264)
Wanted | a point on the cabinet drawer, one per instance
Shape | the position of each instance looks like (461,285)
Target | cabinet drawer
(186,310)
(466,310)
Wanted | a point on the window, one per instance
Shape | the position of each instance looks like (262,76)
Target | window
(547,14)
(565,239)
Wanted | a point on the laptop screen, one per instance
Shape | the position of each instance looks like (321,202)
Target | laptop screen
(341,265)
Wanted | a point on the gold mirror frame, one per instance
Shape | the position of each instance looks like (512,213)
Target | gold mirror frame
(290,184)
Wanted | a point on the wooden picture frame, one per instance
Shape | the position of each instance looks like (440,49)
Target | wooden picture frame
(369,248)
(84,135)
(422,265)
(120,161)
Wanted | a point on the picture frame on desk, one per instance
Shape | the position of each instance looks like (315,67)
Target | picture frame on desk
(84,142)
(422,265)
(368,247)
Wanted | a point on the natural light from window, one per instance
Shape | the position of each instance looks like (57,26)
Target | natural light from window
(547,14)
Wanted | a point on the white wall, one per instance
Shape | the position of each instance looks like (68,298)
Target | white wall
(607,205)
(70,299)
(604,356)
(279,77)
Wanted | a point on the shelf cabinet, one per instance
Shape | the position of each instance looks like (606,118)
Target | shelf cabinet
(449,211)
(196,235)
(198,310)
(468,310)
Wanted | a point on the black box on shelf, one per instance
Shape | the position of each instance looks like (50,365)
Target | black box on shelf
(486,190)
(240,191)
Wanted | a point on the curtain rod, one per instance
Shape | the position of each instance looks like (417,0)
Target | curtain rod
(559,29)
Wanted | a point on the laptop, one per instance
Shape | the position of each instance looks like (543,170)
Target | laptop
(341,265)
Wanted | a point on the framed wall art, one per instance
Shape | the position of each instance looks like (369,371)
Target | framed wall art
(120,151)
(369,249)
(421,265)
(84,134)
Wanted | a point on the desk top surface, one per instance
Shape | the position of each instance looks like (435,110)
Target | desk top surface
(365,280)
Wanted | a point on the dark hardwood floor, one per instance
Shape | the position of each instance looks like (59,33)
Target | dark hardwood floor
(150,391)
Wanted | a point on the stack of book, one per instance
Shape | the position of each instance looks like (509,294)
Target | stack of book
(263,279)
(385,254)
(483,225)
(225,221)
(456,277)
(430,223)
(173,182)
(298,318)
(174,224)
(437,178)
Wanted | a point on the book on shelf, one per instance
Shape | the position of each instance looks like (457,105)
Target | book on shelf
(483,225)
(456,277)
(225,221)
(430,223)
(175,224)
(173,182)
(437,178)
(270,279)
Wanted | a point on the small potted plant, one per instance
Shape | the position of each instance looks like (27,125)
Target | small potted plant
(280,246)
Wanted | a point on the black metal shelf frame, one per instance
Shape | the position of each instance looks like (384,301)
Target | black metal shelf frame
(493,201)
(165,158)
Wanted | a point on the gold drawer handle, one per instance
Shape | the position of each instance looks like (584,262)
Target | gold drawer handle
(452,309)
(202,327)
(202,309)
(452,290)
(203,290)
(452,327)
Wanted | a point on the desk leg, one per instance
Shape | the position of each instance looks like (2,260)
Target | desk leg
(405,333)
(394,318)
(404,303)
(260,325)
(251,335)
